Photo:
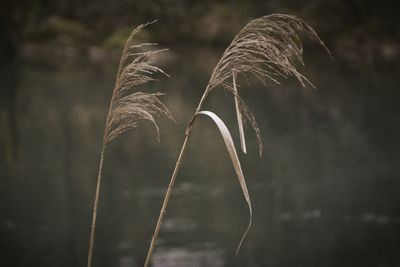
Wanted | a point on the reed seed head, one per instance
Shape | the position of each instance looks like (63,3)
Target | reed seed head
(268,48)
(128,107)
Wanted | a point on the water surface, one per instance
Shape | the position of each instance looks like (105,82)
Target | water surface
(325,192)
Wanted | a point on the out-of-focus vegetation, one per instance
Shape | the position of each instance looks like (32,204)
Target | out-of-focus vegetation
(360,31)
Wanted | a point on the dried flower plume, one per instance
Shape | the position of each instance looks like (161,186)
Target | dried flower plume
(128,108)
(269,48)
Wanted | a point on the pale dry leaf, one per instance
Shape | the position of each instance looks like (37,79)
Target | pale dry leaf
(239,115)
(236,164)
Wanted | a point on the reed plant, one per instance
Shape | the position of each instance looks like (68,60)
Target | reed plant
(127,107)
(268,48)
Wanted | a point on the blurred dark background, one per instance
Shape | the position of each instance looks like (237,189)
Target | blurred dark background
(326,192)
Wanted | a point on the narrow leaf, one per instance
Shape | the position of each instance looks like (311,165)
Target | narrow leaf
(236,164)
(239,115)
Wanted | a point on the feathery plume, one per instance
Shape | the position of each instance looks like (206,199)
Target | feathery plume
(269,48)
(128,108)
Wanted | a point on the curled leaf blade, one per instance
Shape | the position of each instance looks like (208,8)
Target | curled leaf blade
(236,164)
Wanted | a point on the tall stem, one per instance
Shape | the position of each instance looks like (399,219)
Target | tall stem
(99,175)
(95,205)
(172,182)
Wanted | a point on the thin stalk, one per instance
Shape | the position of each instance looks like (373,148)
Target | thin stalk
(97,194)
(99,175)
(172,182)
(94,215)
(165,203)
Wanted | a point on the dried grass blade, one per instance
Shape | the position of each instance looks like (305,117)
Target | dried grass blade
(239,115)
(236,164)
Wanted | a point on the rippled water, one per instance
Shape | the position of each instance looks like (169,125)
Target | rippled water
(325,193)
